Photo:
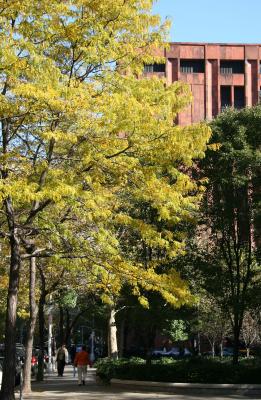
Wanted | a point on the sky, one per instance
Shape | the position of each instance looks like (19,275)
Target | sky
(213,21)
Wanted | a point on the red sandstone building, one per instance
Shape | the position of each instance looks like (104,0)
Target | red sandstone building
(220,75)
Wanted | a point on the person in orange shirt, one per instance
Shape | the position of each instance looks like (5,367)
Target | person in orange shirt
(81,361)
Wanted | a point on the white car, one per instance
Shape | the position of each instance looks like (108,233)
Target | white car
(173,352)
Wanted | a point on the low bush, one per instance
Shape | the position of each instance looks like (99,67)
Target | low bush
(193,370)
(108,368)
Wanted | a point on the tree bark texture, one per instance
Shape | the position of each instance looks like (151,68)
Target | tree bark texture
(40,371)
(112,335)
(236,332)
(30,328)
(9,366)
(221,348)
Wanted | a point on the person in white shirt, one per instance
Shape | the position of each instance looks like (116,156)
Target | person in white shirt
(61,359)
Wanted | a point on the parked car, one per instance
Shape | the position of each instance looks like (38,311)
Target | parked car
(228,352)
(34,360)
(17,371)
(19,359)
(186,352)
(208,353)
(20,351)
(173,352)
(34,365)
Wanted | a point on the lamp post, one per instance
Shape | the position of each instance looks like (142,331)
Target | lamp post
(82,335)
(92,355)
(91,340)
(50,335)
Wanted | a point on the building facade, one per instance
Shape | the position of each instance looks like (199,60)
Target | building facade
(220,75)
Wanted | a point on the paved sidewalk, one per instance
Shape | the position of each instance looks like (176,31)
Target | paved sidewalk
(66,387)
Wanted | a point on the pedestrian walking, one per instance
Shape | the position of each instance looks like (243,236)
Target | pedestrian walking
(61,359)
(81,361)
(72,355)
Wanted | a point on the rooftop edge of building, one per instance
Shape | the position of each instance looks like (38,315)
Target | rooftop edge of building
(213,44)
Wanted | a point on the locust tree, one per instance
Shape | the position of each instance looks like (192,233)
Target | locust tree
(76,129)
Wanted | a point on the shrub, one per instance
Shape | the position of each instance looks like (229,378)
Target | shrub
(193,370)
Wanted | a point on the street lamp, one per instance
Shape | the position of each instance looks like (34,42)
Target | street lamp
(92,355)
(91,340)
(82,336)
(50,334)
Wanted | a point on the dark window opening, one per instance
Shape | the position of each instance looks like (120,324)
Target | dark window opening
(232,67)
(259,95)
(154,68)
(239,97)
(225,97)
(192,66)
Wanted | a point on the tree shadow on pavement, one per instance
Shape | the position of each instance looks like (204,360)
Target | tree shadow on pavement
(66,388)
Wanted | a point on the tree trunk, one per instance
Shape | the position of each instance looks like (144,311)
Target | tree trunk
(213,349)
(149,343)
(70,324)
(122,338)
(199,344)
(30,329)
(248,352)
(9,366)
(61,326)
(236,343)
(112,335)
(40,371)
(221,348)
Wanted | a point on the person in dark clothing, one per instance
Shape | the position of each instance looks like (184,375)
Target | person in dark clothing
(72,355)
(61,359)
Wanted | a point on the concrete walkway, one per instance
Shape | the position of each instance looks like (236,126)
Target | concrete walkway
(66,387)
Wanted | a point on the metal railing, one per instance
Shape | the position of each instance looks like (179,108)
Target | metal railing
(186,70)
(226,71)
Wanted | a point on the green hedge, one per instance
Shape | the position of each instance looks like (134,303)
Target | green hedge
(194,370)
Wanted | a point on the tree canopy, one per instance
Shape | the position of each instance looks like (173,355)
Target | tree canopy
(80,134)
(231,215)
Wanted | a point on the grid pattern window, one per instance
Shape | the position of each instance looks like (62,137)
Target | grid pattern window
(192,66)
(151,68)
(229,67)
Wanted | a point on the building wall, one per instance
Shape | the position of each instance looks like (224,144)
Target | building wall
(211,80)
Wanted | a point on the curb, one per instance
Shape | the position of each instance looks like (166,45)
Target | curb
(170,385)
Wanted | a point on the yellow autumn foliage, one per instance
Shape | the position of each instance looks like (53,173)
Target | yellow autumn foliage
(84,144)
